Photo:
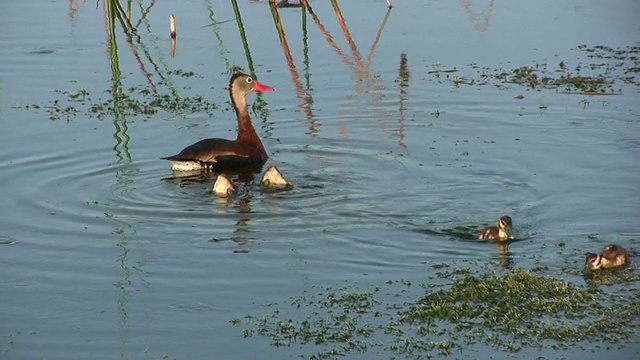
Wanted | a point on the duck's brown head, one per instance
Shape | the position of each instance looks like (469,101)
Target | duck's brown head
(245,84)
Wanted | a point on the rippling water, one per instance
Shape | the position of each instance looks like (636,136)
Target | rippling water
(106,254)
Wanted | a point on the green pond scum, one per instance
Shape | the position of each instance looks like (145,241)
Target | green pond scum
(134,101)
(509,311)
(603,72)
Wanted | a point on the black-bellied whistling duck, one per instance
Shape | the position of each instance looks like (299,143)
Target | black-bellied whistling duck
(245,150)
(611,256)
(501,232)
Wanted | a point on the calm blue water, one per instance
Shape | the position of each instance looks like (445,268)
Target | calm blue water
(102,257)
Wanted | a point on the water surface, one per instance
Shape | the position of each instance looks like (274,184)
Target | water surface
(104,257)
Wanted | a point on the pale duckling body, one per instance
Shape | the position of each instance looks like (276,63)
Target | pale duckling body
(273,179)
(223,186)
(610,257)
(502,232)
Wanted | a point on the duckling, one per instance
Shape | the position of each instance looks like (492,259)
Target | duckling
(611,256)
(223,186)
(273,179)
(502,232)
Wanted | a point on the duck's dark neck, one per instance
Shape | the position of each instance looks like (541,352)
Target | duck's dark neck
(246,132)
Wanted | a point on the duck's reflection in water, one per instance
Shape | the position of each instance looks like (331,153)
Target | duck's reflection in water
(241,234)
(227,194)
(231,192)
(239,199)
(506,260)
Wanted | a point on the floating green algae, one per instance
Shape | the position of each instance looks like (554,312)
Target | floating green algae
(507,311)
(599,70)
(603,71)
(134,101)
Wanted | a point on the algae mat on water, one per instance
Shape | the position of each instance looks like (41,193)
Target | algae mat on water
(507,312)
(604,71)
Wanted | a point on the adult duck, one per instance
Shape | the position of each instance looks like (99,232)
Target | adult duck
(245,150)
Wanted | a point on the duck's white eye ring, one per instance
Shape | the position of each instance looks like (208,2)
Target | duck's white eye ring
(249,80)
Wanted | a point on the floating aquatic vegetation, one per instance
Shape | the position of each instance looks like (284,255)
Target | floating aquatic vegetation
(602,73)
(133,101)
(507,311)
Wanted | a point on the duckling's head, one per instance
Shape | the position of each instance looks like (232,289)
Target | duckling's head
(504,224)
(223,186)
(593,261)
(273,179)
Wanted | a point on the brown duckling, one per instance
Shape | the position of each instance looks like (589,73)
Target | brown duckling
(501,232)
(611,256)
(273,179)
(223,186)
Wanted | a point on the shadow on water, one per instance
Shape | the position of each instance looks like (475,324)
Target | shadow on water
(242,202)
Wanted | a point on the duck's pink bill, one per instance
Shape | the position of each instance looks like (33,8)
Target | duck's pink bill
(262,87)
